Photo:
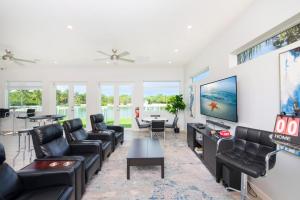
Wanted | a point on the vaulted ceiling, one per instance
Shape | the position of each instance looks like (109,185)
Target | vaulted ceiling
(155,32)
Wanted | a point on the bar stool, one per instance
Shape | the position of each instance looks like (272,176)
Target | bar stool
(29,113)
(27,132)
(251,153)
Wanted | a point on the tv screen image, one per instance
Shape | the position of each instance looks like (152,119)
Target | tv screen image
(219,99)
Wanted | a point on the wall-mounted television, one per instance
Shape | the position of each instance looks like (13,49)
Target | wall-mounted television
(219,99)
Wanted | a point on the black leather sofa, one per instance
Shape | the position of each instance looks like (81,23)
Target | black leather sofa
(75,133)
(99,126)
(48,142)
(46,185)
(251,152)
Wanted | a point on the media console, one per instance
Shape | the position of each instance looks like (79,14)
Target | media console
(204,145)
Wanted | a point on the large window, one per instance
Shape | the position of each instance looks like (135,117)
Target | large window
(24,95)
(282,39)
(157,94)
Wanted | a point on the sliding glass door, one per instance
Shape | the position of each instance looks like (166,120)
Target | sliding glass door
(116,103)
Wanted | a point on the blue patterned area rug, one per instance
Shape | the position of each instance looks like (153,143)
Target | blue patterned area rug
(186,178)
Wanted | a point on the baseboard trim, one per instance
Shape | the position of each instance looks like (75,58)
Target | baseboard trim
(259,192)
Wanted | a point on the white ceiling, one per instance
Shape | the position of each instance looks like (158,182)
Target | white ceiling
(149,29)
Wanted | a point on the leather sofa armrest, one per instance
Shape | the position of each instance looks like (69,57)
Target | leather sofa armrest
(88,141)
(104,135)
(86,147)
(36,179)
(116,128)
(225,144)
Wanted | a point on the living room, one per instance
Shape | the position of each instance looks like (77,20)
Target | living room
(117,59)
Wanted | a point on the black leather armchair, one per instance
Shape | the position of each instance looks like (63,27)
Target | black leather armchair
(75,133)
(98,126)
(251,152)
(48,142)
(46,185)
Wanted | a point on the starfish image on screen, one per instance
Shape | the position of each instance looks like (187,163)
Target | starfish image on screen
(219,99)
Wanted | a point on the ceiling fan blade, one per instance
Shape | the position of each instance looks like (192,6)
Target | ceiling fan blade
(18,63)
(23,60)
(125,53)
(106,54)
(127,60)
(99,59)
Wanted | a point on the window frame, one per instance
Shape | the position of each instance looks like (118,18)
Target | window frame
(23,85)
(160,108)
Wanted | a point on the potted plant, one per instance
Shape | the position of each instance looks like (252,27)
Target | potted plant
(174,105)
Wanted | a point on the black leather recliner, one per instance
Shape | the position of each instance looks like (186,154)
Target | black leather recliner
(250,152)
(98,126)
(75,133)
(48,142)
(46,185)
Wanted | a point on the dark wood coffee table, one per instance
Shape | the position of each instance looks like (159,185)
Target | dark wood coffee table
(145,152)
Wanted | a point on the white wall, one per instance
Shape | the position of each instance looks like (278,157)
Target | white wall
(258,85)
(92,76)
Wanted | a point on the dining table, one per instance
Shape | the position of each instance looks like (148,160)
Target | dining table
(52,118)
(150,119)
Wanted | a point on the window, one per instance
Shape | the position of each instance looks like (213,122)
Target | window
(282,39)
(200,76)
(157,94)
(24,95)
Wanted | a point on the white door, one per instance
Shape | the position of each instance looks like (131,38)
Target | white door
(71,100)
(116,103)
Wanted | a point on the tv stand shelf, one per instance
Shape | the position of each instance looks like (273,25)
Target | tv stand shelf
(208,145)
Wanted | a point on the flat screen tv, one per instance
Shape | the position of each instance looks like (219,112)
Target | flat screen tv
(219,99)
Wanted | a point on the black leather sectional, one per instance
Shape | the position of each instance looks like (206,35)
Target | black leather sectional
(85,150)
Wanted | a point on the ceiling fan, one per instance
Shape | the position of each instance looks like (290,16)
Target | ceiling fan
(115,56)
(8,55)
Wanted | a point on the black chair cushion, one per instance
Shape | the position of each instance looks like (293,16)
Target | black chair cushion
(244,162)
(50,193)
(98,118)
(73,125)
(101,126)
(49,133)
(10,184)
(2,154)
(56,148)
(97,122)
(49,141)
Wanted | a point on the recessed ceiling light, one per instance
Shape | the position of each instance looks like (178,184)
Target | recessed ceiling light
(107,62)
(70,27)
(189,27)
(55,62)
(176,50)
(170,62)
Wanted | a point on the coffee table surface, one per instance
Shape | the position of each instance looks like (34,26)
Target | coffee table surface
(145,148)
